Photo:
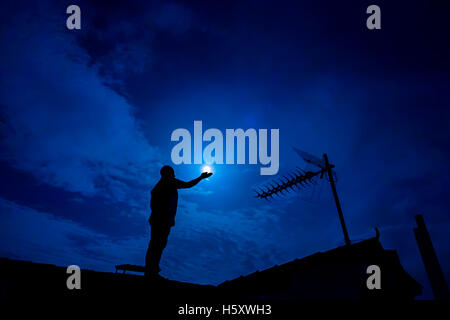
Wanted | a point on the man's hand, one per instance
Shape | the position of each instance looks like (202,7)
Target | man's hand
(184,185)
(205,175)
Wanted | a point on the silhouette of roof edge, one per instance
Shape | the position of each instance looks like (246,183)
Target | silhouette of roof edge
(323,275)
(313,256)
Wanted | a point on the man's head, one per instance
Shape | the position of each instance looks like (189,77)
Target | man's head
(167,172)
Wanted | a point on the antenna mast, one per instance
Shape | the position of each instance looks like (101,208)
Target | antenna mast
(336,198)
(300,179)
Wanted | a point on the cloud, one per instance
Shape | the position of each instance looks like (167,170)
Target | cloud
(227,243)
(383,127)
(29,234)
(223,249)
(61,122)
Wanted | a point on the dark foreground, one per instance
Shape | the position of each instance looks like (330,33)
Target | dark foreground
(336,278)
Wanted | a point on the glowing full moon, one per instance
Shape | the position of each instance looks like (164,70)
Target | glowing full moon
(206,169)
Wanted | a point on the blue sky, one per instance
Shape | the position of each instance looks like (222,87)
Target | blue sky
(86,117)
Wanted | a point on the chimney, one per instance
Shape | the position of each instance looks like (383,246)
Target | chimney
(430,260)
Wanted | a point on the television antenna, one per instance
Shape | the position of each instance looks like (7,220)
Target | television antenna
(300,178)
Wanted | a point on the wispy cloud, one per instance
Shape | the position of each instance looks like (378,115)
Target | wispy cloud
(224,249)
(64,125)
(38,236)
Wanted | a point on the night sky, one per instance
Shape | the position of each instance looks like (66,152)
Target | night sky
(86,118)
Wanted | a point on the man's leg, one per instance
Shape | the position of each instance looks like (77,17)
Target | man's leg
(158,241)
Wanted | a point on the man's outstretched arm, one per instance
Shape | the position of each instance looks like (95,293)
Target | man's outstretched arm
(190,184)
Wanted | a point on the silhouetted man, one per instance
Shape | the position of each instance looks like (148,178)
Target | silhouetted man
(164,199)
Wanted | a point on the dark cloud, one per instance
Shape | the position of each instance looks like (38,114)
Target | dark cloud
(65,126)
(86,119)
